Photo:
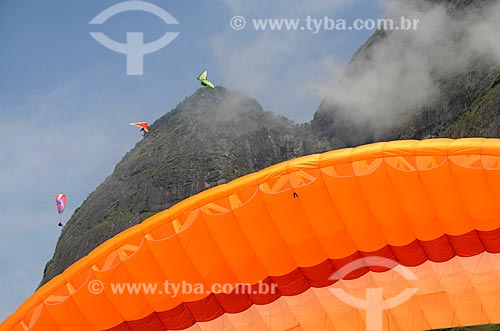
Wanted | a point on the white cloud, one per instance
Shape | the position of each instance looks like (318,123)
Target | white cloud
(398,74)
(397,78)
(286,70)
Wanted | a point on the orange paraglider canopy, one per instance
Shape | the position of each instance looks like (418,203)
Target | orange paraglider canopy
(431,206)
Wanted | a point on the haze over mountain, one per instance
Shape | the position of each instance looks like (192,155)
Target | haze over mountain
(210,138)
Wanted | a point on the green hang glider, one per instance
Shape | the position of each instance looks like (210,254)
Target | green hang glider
(204,80)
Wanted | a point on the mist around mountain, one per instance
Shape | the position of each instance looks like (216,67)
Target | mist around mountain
(439,81)
(210,138)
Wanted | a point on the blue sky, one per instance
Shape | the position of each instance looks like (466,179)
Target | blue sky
(66,101)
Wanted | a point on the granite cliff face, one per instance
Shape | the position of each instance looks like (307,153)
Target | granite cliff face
(455,77)
(210,138)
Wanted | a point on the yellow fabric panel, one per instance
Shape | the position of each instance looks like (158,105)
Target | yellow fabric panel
(205,255)
(378,191)
(130,307)
(228,234)
(412,196)
(354,212)
(475,190)
(269,247)
(143,267)
(180,269)
(286,214)
(106,316)
(42,321)
(68,316)
(320,212)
